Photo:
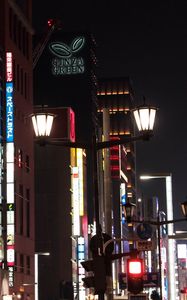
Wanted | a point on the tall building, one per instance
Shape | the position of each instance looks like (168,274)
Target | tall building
(61,211)
(16,147)
(116,95)
(65,77)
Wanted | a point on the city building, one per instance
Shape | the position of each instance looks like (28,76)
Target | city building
(16,148)
(116,96)
(61,211)
(65,78)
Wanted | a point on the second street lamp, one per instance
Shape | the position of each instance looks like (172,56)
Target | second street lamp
(144,116)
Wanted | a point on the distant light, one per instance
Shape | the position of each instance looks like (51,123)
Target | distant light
(50,22)
(139,200)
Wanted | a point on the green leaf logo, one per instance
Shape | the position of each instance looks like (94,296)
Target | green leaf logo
(60,49)
(77,44)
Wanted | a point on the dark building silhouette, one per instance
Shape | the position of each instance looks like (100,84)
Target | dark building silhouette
(64,76)
(16,144)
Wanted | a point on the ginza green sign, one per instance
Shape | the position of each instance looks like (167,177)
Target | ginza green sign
(66,60)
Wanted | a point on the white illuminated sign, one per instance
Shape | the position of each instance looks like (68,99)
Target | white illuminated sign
(66,61)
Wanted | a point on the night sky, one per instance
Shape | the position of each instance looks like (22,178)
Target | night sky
(147,41)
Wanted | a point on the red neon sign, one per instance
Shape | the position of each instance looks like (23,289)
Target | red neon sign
(9,68)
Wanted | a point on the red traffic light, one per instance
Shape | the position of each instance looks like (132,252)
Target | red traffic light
(135,275)
(135,267)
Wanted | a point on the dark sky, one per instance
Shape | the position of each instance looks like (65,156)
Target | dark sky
(146,40)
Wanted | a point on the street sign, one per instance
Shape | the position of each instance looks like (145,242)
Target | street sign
(142,245)
(144,231)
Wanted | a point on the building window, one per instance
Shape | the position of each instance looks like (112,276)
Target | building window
(20,158)
(27,45)
(17,78)
(15,267)
(28,265)
(27,164)
(19,35)
(23,40)
(21,209)
(15,29)
(28,212)
(21,263)
(21,81)
(25,85)
(10,23)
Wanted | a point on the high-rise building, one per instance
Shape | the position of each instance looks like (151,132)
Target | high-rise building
(115,98)
(65,77)
(116,95)
(16,148)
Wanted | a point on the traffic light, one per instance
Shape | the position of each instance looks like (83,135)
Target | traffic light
(135,275)
(98,280)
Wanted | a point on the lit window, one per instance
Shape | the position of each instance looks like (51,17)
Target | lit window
(20,158)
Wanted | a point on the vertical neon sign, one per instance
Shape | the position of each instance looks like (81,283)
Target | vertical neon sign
(1,162)
(10,168)
(76,200)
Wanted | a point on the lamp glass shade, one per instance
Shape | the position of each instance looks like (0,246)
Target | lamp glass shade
(145,118)
(184,208)
(128,210)
(42,123)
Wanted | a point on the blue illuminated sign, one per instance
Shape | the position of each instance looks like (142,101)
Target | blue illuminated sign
(123,199)
(9,112)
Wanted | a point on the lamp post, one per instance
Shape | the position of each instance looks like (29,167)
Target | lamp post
(144,116)
(128,212)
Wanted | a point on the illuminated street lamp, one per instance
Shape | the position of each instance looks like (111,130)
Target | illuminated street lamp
(145,117)
(42,123)
(129,211)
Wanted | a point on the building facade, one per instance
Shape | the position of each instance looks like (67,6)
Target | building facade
(65,76)
(117,97)
(16,146)
(61,211)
